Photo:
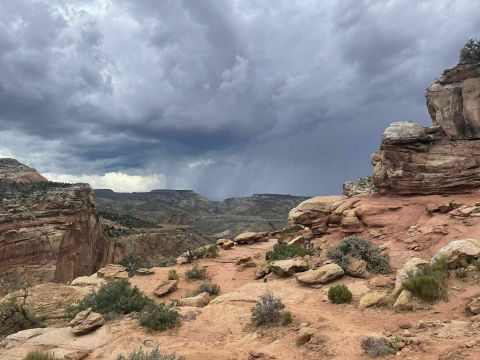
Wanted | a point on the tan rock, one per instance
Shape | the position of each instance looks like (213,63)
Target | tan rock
(93,282)
(288,267)
(473,306)
(410,267)
(404,301)
(200,300)
(145,272)
(165,287)
(381,282)
(249,237)
(297,241)
(357,268)
(350,223)
(112,271)
(314,213)
(225,244)
(373,298)
(321,275)
(459,250)
(86,321)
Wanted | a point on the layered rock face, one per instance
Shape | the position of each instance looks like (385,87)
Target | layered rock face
(49,222)
(13,171)
(444,158)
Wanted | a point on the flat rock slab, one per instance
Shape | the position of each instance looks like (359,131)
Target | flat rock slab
(321,275)
(166,287)
(288,267)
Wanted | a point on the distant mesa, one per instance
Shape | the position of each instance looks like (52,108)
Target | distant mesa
(13,171)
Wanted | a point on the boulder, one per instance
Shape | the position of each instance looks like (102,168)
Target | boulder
(113,271)
(249,237)
(314,213)
(298,241)
(200,300)
(404,301)
(288,267)
(225,244)
(459,250)
(321,275)
(86,321)
(373,298)
(262,271)
(357,268)
(410,267)
(350,223)
(165,287)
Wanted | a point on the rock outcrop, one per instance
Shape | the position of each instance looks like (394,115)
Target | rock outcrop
(44,222)
(441,159)
(12,171)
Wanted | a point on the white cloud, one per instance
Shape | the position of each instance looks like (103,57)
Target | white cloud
(200,163)
(117,181)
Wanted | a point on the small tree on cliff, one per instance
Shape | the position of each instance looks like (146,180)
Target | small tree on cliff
(470,52)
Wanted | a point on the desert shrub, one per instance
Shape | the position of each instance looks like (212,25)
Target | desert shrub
(172,274)
(287,317)
(114,297)
(461,273)
(268,310)
(159,317)
(356,246)
(152,355)
(163,262)
(476,263)
(211,289)
(284,251)
(429,283)
(377,347)
(196,273)
(133,262)
(470,52)
(339,294)
(206,252)
(39,355)
(14,317)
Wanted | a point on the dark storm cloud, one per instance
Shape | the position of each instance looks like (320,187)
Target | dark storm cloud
(225,97)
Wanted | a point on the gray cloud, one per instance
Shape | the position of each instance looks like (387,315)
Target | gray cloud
(225,97)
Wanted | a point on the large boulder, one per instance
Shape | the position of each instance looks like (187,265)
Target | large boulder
(249,237)
(410,267)
(86,321)
(373,298)
(321,275)
(200,300)
(404,301)
(459,250)
(314,213)
(288,267)
(444,158)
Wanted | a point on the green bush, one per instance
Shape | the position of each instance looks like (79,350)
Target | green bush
(356,246)
(159,317)
(287,317)
(153,355)
(284,251)
(339,294)
(461,274)
(470,52)
(268,310)
(377,347)
(39,355)
(133,262)
(196,273)
(429,283)
(211,289)
(116,297)
(172,274)
(14,317)
(164,262)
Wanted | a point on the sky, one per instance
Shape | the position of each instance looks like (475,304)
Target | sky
(225,97)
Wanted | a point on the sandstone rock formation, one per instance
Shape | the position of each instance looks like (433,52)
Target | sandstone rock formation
(288,267)
(12,171)
(321,275)
(165,287)
(44,222)
(444,158)
(86,321)
(458,251)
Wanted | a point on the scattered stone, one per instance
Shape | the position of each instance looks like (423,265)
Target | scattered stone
(86,321)
(288,267)
(165,287)
(321,275)
(200,300)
